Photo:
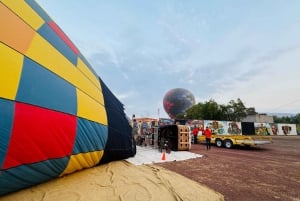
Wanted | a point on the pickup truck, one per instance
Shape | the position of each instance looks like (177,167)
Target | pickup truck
(229,141)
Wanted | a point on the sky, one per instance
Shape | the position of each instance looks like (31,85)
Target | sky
(218,49)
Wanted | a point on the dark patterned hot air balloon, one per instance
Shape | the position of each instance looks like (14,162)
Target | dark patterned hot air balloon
(56,114)
(177,101)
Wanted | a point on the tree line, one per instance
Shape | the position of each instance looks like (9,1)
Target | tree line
(288,119)
(234,110)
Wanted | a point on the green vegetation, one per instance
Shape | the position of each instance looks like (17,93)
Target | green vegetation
(288,119)
(233,111)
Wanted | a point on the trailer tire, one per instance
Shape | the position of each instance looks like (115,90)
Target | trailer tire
(228,144)
(218,143)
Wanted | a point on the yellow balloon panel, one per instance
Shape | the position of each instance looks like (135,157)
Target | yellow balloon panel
(11,63)
(95,111)
(87,72)
(82,160)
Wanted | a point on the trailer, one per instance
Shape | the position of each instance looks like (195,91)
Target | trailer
(228,141)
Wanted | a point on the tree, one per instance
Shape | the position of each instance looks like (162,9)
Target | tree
(195,112)
(237,109)
(180,116)
(211,110)
(295,119)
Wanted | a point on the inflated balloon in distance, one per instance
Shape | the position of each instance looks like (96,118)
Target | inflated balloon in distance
(177,101)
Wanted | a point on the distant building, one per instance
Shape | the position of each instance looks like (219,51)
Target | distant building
(258,118)
(143,124)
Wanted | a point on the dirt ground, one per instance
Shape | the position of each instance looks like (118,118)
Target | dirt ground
(262,173)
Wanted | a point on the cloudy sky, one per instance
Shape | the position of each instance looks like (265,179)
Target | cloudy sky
(217,49)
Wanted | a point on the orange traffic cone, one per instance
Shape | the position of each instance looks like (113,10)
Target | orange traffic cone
(163,157)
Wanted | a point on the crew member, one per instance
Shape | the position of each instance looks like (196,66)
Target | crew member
(207,133)
(195,134)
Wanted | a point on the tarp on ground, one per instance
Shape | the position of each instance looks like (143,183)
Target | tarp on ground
(118,180)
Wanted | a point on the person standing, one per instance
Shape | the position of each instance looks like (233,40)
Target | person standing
(134,130)
(195,134)
(207,134)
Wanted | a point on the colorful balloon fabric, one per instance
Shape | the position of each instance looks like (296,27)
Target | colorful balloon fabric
(56,115)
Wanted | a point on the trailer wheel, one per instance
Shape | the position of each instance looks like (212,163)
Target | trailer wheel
(228,144)
(218,143)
